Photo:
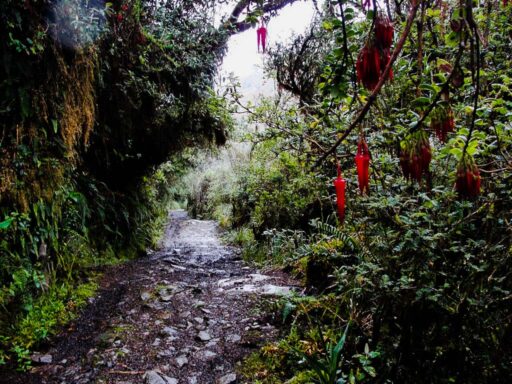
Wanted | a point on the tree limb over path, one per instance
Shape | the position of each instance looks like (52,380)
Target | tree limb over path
(233,25)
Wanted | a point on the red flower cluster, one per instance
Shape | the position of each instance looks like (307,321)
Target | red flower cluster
(363,165)
(415,156)
(368,66)
(467,183)
(340,184)
(384,32)
(375,55)
(442,122)
(124,9)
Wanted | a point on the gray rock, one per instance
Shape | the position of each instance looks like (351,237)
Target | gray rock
(181,361)
(166,353)
(211,344)
(145,296)
(208,355)
(204,336)
(169,331)
(155,377)
(40,358)
(233,338)
(230,378)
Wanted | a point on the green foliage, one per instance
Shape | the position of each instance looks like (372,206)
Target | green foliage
(327,368)
(310,352)
(422,274)
(42,318)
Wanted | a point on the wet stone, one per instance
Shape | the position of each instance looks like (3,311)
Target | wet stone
(230,378)
(145,296)
(181,361)
(154,377)
(169,331)
(233,338)
(204,336)
(42,359)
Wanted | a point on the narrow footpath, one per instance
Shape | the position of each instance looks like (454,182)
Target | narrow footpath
(186,314)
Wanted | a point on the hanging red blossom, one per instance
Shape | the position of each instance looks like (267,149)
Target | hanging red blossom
(261,34)
(468,180)
(442,121)
(368,66)
(415,156)
(384,31)
(363,164)
(340,184)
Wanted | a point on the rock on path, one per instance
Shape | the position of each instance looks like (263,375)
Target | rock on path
(186,314)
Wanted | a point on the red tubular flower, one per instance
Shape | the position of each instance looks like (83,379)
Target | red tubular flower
(340,184)
(261,34)
(383,32)
(363,164)
(468,180)
(442,122)
(415,156)
(368,67)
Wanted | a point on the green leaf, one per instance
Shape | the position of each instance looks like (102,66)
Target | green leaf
(452,39)
(6,223)
(327,25)
(421,101)
(457,152)
(55,126)
(428,87)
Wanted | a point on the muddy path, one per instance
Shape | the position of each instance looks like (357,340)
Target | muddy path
(188,313)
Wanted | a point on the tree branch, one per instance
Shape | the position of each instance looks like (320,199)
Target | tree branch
(233,25)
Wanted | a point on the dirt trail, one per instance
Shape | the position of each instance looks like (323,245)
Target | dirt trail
(185,314)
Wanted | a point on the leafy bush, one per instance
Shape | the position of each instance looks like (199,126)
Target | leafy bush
(421,269)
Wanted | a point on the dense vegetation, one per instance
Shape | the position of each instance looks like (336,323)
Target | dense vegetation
(420,267)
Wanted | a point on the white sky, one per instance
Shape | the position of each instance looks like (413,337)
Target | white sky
(243,59)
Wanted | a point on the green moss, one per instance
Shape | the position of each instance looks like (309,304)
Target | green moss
(259,369)
(302,377)
(44,316)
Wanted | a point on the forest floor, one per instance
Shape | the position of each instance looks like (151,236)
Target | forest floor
(188,313)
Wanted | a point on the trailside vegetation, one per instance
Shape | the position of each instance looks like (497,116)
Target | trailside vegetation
(419,270)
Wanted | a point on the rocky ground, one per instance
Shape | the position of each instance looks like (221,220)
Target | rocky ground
(186,314)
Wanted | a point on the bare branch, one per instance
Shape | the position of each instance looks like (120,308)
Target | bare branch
(234,25)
